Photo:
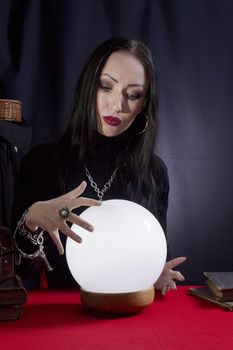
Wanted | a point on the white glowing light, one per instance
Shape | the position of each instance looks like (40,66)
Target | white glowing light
(125,253)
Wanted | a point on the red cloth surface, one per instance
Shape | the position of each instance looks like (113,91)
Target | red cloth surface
(54,319)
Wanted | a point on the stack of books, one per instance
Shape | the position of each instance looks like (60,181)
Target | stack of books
(218,289)
(13,296)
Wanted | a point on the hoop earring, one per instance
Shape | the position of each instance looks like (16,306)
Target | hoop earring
(146,124)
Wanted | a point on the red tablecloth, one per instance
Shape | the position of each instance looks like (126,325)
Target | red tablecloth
(55,320)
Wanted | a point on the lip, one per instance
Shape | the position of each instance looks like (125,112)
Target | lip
(111,120)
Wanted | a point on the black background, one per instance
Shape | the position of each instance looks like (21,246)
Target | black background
(43,46)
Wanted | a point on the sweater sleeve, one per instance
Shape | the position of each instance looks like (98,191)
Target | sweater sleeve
(163,193)
(162,197)
(33,184)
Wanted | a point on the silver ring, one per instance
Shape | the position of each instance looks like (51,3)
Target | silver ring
(64,213)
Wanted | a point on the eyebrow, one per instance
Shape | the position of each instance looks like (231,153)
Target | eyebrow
(116,81)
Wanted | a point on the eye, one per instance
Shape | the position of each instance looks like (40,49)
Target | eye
(134,97)
(105,86)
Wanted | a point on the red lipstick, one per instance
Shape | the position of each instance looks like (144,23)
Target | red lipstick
(109,119)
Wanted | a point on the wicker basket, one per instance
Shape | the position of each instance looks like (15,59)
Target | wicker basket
(10,110)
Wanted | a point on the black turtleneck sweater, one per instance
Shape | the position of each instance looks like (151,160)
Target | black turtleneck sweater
(40,179)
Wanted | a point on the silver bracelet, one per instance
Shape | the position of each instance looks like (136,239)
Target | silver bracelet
(21,228)
(36,239)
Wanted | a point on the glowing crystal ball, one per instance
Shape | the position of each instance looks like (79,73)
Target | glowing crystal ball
(125,253)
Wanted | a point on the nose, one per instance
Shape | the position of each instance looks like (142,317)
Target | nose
(117,102)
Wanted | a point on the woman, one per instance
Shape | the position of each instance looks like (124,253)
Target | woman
(109,142)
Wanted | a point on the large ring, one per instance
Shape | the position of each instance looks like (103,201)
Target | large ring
(64,213)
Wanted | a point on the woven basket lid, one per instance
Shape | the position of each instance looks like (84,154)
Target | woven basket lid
(10,110)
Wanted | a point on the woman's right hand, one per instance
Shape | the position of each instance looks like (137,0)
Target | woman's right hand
(46,215)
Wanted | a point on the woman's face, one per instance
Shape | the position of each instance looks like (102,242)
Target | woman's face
(121,94)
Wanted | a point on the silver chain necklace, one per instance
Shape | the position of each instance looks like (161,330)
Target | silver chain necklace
(100,193)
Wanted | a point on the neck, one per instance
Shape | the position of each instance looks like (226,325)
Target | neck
(108,148)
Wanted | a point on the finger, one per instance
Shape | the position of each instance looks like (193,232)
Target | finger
(56,239)
(165,290)
(85,202)
(172,285)
(77,191)
(68,232)
(177,275)
(75,219)
(175,262)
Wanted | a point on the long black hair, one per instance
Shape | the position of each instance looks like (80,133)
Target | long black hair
(138,170)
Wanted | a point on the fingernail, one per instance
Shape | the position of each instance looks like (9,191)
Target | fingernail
(91,228)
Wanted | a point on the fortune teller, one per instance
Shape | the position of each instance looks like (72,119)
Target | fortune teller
(107,151)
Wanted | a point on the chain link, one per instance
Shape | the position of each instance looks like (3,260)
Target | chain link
(100,193)
(36,239)
(33,237)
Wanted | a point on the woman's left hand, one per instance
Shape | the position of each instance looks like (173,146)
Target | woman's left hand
(168,276)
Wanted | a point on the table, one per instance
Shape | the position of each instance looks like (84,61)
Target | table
(55,319)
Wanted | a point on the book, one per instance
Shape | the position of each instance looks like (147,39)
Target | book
(205,293)
(12,292)
(220,284)
(10,312)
